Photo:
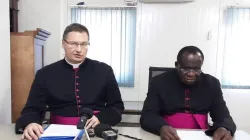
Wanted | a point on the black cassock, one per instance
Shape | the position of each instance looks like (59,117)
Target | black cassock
(65,90)
(167,96)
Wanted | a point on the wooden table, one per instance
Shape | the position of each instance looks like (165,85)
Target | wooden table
(7,133)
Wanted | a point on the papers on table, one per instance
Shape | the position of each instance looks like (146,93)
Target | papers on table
(241,135)
(192,135)
(56,131)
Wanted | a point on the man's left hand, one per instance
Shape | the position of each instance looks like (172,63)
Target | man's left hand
(222,134)
(92,122)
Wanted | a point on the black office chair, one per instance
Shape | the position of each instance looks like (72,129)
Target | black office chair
(154,71)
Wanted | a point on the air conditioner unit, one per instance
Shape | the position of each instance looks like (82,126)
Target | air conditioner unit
(165,1)
(131,2)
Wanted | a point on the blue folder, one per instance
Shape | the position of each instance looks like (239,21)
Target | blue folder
(79,137)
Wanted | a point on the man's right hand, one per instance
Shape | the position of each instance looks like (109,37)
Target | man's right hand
(168,133)
(32,131)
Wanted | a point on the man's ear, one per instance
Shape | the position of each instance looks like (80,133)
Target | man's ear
(176,64)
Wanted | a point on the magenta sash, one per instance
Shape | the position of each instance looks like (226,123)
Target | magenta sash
(55,119)
(187,121)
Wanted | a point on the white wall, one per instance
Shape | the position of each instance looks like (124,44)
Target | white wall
(5,94)
(162,30)
(172,26)
(43,14)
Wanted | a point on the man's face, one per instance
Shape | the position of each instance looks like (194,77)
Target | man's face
(189,68)
(76,46)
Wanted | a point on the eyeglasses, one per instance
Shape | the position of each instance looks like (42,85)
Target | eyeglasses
(185,71)
(75,44)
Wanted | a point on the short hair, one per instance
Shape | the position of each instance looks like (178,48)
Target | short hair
(190,50)
(75,27)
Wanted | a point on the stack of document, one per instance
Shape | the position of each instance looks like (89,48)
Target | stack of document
(61,132)
(192,135)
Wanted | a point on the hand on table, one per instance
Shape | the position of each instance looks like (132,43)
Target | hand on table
(32,132)
(168,133)
(222,134)
(92,122)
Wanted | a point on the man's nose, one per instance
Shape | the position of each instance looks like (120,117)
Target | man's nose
(191,73)
(78,48)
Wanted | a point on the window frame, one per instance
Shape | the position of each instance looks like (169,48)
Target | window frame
(221,48)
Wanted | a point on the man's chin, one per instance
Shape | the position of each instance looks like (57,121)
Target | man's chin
(189,82)
(78,60)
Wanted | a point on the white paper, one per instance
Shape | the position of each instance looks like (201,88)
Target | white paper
(55,130)
(241,135)
(192,135)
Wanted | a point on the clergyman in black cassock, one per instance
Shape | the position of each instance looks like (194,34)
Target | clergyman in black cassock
(70,84)
(183,97)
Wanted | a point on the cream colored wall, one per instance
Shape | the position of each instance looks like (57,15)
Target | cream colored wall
(5,91)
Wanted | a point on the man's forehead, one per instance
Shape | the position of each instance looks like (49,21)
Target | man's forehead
(191,59)
(78,36)
(191,56)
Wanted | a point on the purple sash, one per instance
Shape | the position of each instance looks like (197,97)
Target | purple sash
(187,121)
(55,119)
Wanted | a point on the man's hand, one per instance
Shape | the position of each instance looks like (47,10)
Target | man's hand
(92,122)
(32,131)
(222,134)
(168,133)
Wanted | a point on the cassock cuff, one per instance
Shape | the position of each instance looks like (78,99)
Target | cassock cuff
(226,123)
(25,120)
(109,116)
(153,124)
(210,132)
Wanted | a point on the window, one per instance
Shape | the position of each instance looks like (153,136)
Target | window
(236,67)
(112,38)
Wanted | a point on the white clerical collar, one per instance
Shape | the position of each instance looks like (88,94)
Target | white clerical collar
(74,65)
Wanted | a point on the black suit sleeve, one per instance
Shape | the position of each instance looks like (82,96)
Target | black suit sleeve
(151,120)
(35,107)
(220,114)
(112,114)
